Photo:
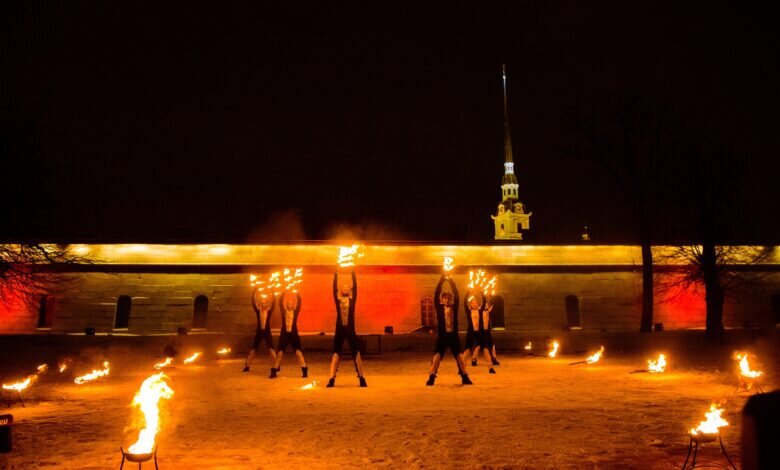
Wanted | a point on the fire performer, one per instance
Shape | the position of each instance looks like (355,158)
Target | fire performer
(263,312)
(488,337)
(289,333)
(478,334)
(345,297)
(447,330)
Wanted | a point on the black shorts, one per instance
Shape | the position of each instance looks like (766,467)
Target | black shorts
(260,335)
(486,339)
(473,339)
(291,338)
(448,340)
(345,333)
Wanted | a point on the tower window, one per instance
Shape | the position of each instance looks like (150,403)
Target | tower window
(200,312)
(122,314)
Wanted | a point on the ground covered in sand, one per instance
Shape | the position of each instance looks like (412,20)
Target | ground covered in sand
(534,413)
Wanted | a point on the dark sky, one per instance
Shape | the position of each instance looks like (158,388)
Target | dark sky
(231,122)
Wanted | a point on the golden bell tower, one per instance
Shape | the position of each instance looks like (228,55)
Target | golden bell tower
(511,218)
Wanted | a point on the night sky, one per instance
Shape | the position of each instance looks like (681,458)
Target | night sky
(239,122)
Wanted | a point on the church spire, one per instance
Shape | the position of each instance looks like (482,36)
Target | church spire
(507,134)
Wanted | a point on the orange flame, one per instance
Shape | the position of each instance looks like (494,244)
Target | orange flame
(310,386)
(744,368)
(348,255)
(63,367)
(192,358)
(448,264)
(224,351)
(554,351)
(148,397)
(713,422)
(658,366)
(592,359)
(97,373)
(42,368)
(21,385)
(165,363)
(292,278)
(528,346)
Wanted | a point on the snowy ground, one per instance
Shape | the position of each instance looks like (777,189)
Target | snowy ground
(534,413)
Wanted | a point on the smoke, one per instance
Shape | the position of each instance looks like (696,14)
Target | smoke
(369,230)
(283,225)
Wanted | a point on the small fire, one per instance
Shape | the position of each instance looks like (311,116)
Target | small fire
(224,351)
(97,373)
(292,278)
(64,364)
(21,385)
(192,358)
(595,357)
(152,390)
(165,363)
(528,346)
(713,422)
(309,386)
(554,351)
(348,255)
(448,264)
(43,368)
(657,366)
(744,368)
(476,279)
(63,368)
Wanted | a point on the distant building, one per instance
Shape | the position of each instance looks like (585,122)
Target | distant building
(511,217)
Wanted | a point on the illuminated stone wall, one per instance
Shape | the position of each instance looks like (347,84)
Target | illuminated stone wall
(163,281)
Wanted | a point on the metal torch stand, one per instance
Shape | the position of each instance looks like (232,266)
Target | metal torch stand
(139,459)
(9,400)
(694,446)
(748,386)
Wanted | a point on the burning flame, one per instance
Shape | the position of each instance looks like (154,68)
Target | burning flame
(595,357)
(528,346)
(479,282)
(165,363)
(657,366)
(93,375)
(64,364)
(448,264)
(554,351)
(63,367)
(713,422)
(21,385)
(292,279)
(224,351)
(309,386)
(348,255)
(43,368)
(744,368)
(152,390)
(192,358)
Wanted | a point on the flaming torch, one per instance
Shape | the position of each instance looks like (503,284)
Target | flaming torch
(528,346)
(42,368)
(64,364)
(348,255)
(592,359)
(309,386)
(448,265)
(164,364)
(224,351)
(192,358)
(554,351)
(654,367)
(292,278)
(147,399)
(20,385)
(708,431)
(748,379)
(95,374)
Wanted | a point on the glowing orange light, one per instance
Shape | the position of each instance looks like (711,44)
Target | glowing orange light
(744,368)
(309,386)
(528,346)
(163,364)
(713,423)
(224,351)
(594,358)
(554,351)
(657,366)
(348,255)
(20,385)
(43,368)
(95,374)
(192,358)
(152,390)
(448,264)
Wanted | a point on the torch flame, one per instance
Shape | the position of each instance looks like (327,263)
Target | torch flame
(93,375)
(349,254)
(192,358)
(595,357)
(528,346)
(165,363)
(224,351)
(744,368)
(554,351)
(713,422)
(448,264)
(152,390)
(63,367)
(43,368)
(309,386)
(21,385)
(657,366)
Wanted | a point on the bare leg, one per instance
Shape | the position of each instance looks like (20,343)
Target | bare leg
(359,364)
(301,359)
(461,364)
(249,358)
(488,359)
(494,352)
(475,353)
(435,364)
(272,353)
(334,365)
(279,356)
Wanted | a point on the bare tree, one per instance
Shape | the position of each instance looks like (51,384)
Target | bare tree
(637,145)
(29,270)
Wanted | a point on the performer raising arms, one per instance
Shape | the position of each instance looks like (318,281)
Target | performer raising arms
(263,312)
(345,297)
(291,307)
(480,319)
(447,330)
(488,338)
